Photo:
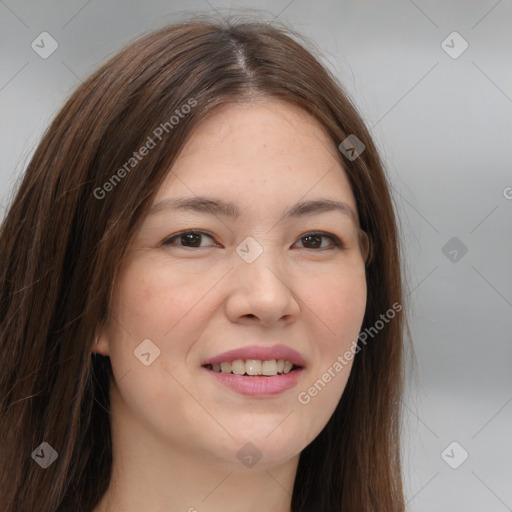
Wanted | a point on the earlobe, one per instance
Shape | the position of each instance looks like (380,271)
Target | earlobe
(100,345)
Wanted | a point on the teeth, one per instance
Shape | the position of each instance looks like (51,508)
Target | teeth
(238,367)
(254,367)
(225,367)
(269,367)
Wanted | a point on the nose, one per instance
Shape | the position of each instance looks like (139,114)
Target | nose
(261,293)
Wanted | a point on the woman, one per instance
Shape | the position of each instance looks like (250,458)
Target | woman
(208,216)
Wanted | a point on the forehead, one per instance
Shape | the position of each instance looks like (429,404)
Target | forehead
(262,151)
(261,127)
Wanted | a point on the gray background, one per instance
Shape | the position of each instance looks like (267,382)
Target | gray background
(444,128)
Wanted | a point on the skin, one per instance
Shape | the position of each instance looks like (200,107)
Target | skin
(176,431)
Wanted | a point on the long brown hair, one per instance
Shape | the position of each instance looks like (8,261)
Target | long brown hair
(68,226)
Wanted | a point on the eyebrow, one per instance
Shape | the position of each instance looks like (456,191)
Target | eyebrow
(202,204)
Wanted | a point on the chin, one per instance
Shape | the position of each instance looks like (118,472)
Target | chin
(268,450)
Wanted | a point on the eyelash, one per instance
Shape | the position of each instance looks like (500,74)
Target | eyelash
(337,244)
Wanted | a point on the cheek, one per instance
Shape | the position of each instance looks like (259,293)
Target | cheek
(156,304)
(339,301)
(339,306)
(347,314)
(153,300)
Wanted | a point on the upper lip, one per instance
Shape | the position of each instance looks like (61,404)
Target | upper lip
(263,353)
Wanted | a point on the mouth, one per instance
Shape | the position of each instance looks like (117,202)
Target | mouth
(257,371)
(254,367)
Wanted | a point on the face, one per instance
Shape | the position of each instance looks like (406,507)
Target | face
(273,282)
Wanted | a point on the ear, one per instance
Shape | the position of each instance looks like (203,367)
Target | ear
(101,343)
(366,246)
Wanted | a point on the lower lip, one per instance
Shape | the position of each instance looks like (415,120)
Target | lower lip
(258,386)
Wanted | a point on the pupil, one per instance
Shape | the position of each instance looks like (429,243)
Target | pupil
(190,238)
(312,237)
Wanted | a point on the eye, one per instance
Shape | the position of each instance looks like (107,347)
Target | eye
(315,239)
(187,239)
(192,239)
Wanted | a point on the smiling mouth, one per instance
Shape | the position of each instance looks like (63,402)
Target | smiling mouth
(254,367)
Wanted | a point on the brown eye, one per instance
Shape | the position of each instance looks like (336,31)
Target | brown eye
(315,241)
(190,239)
